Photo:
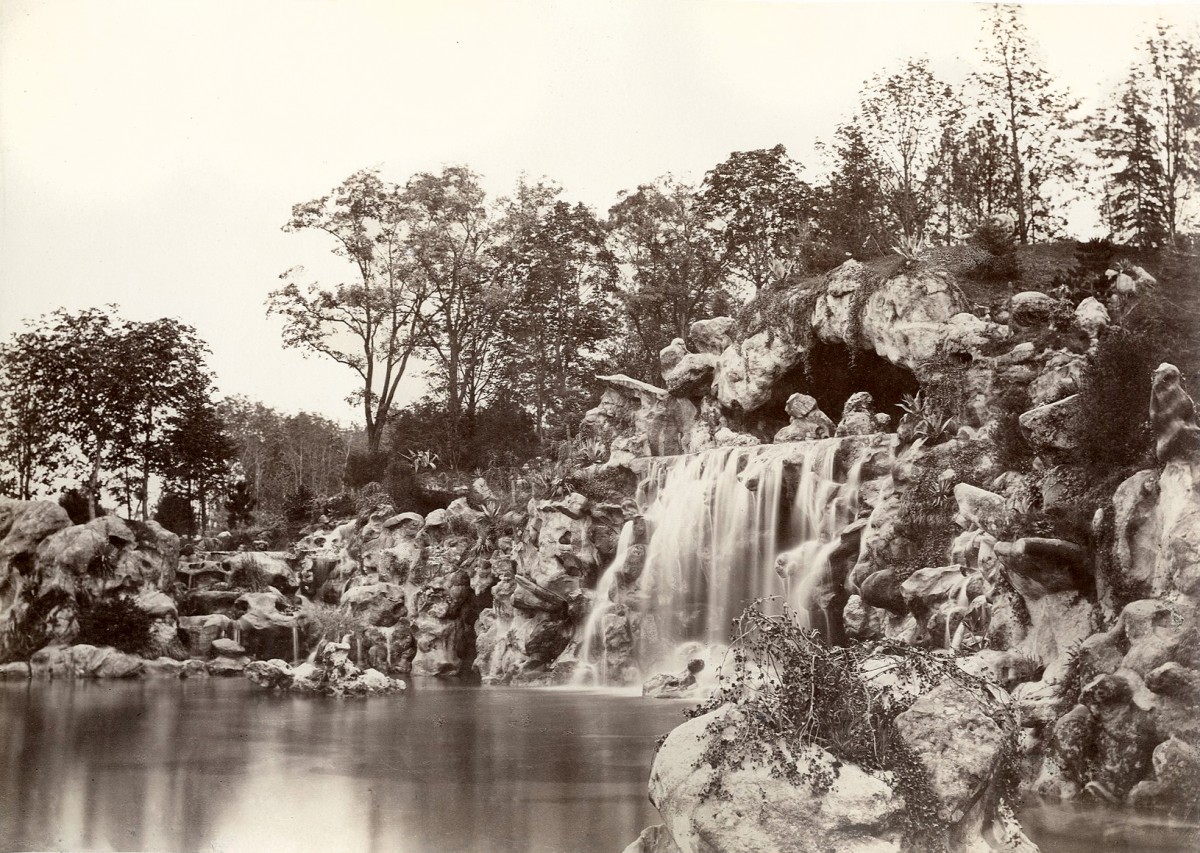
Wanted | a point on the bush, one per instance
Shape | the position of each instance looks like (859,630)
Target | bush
(116,622)
(175,513)
(298,506)
(75,502)
(239,506)
(999,241)
(1114,399)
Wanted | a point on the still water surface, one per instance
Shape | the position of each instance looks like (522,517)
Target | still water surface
(221,765)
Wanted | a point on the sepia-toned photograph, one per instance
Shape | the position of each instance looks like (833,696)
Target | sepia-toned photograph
(599,426)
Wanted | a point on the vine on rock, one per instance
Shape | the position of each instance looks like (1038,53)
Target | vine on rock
(788,691)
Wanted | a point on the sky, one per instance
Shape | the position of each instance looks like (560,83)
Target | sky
(151,151)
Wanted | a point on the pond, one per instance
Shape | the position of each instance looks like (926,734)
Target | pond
(221,765)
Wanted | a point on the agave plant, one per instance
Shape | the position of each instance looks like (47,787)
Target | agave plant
(422,460)
(926,421)
(910,247)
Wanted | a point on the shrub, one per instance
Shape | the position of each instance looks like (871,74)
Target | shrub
(1114,398)
(116,622)
(75,502)
(298,505)
(999,241)
(323,621)
(175,513)
(1013,451)
(239,505)
(249,575)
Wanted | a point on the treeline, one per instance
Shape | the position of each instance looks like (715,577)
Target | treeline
(511,306)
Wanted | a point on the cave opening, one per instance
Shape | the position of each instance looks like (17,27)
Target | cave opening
(831,376)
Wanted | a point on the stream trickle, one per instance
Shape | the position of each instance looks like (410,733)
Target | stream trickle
(725,527)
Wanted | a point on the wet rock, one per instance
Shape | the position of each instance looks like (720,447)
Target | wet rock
(883,589)
(1176,782)
(226,666)
(227,647)
(668,686)
(201,631)
(265,628)
(1039,566)
(379,604)
(164,667)
(15,670)
(84,661)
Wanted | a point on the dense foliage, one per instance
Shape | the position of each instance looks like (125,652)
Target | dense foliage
(116,622)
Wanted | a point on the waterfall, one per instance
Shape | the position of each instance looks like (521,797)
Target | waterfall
(602,604)
(726,527)
(295,643)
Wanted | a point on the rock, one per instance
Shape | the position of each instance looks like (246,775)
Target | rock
(858,416)
(437,518)
(266,630)
(1172,416)
(84,661)
(1176,771)
(272,674)
(968,335)
(378,604)
(1038,566)
(958,742)
(665,686)
(712,336)
(980,507)
(1091,316)
(1054,426)
(808,422)
(164,667)
(692,376)
(227,666)
(157,604)
(1033,309)
(1060,376)
(748,371)
(671,355)
(858,814)
(654,839)
(883,589)
(228,648)
(906,318)
(15,670)
(201,631)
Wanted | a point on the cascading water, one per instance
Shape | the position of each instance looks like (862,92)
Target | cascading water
(725,527)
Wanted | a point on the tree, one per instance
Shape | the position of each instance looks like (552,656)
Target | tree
(371,325)
(239,505)
(561,278)
(673,269)
(851,214)
(763,211)
(1136,204)
(95,391)
(904,119)
(1149,136)
(199,450)
(450,238)
(1017,94)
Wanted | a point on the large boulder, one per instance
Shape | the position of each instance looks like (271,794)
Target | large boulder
(748,371)
(859,813)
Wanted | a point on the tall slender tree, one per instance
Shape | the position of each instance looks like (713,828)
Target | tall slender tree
(1018,95)
(371,324)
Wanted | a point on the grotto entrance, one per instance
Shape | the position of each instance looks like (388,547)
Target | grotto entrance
(831,375)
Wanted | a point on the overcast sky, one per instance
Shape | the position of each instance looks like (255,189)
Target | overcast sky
(150,151)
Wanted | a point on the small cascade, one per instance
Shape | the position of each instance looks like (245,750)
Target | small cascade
(726,527)
(295,643)
(602,605)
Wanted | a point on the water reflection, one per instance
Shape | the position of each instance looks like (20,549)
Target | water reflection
(221,765)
